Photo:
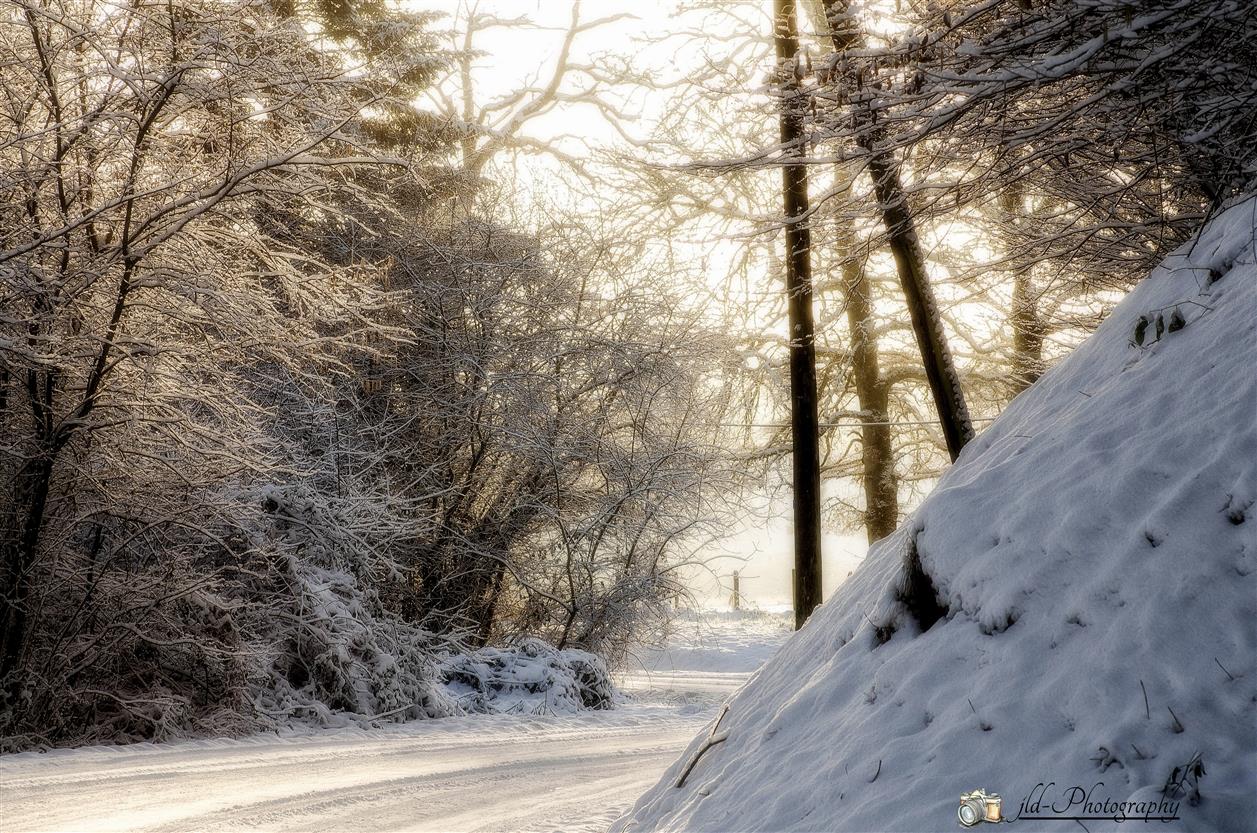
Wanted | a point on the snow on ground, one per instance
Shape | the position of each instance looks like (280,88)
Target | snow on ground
(485,772)
(709,655)
(1084,614)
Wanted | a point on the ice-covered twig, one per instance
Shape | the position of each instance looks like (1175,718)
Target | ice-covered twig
(397,710)
(712,739)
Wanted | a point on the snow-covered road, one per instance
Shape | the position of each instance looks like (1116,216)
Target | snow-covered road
(480,773)
(490,773)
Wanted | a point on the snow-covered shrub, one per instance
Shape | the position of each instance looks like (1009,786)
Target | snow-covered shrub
(530,676)
(592,679)
(564,458)
(334,656)
(148,383)
(330,652)
(261,433)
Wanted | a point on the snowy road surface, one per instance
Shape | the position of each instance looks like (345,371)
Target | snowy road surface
(485,773)
(490,773)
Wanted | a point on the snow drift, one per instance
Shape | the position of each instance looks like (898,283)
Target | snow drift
(1075,605)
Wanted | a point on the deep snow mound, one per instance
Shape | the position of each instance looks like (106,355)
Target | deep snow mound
(1074,606)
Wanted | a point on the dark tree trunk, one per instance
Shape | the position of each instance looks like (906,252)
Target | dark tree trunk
(927,323)
(881,485)
(1027,326)
(20,544)
(804,420)
(901,235)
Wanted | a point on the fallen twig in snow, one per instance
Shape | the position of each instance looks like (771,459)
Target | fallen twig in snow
(391,713)
(1188,782)
(712,740)
(982,724)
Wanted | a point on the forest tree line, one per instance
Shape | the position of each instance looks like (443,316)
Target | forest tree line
(295,397)
(284,410)
(1023,161)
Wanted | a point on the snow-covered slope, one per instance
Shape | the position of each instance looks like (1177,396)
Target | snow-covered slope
(1093,557)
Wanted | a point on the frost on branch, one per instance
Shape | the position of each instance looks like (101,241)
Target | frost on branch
(275,428)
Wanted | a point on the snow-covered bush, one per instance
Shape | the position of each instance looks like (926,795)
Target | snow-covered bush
(328,650)
(564,457)
(335,657)
(529,677)
(150,326)
(263,433)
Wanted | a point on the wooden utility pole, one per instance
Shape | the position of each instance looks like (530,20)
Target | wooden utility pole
(804,420)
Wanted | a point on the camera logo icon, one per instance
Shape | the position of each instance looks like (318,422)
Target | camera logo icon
(979,806)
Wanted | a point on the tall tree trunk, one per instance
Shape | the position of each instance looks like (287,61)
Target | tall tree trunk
(1027,326)
(18,548)
(804,419)
(1027,334)
(927,323)
(877,459)
(881,485)
(901,235)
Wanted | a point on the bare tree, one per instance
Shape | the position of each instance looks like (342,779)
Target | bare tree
(724,194)
(490,127)
(551,417)
(153,311)
(902,237)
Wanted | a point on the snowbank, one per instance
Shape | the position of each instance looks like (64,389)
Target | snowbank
(1075,605)
(337,657)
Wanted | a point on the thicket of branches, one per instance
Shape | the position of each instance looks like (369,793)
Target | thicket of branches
(1109,129)
(284,414)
